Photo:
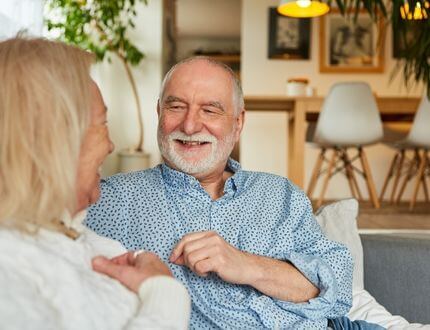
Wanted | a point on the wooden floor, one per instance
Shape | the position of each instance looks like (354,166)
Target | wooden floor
(394,216)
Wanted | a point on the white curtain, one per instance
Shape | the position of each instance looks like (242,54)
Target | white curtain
(21,15)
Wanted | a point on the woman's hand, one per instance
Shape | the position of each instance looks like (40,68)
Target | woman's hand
(131,269)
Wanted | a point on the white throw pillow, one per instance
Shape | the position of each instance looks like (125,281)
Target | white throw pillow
(338,221)
(365,307)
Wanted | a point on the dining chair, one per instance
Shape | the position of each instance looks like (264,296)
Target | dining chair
(349,119)
(416,143)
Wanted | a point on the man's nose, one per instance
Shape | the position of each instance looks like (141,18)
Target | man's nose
(192,122)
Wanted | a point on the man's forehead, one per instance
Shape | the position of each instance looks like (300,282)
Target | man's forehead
(203,77)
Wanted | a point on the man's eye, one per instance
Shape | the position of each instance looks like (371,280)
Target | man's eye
(210,111)
(176,107)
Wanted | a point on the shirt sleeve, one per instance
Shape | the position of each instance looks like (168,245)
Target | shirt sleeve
(327,264)
(165,304)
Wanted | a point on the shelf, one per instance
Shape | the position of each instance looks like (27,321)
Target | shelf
(226,58)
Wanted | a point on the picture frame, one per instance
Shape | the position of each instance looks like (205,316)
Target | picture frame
(347,46)
(289,38)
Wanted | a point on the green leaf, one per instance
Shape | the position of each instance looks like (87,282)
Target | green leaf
(97,26)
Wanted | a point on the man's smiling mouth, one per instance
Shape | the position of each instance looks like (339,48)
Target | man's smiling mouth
(191,143)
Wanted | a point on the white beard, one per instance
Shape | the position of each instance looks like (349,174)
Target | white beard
(219,153)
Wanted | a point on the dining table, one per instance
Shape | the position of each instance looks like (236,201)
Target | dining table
(304,109)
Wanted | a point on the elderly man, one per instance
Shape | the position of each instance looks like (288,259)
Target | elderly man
(245,244)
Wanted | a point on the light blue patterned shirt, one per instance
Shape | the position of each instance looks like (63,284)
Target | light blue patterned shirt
(260,213)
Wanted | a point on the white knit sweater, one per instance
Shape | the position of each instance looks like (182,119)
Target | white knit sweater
(46,282)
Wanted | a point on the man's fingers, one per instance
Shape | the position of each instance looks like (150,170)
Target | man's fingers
(192,247)
(179,261)
(179,248)
(200,254)
(203,267)
(207,254)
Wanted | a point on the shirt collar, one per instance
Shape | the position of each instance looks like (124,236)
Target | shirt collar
(183,180)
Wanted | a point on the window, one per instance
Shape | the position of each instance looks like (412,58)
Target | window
(21,15)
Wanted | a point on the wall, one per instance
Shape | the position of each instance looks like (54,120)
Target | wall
(199,28)
(122,118)
(264,140)
(203,17)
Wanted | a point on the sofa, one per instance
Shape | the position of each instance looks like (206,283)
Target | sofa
(391,275)
(397,273)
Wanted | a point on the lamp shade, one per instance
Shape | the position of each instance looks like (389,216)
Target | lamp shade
(419,12)
(302,8)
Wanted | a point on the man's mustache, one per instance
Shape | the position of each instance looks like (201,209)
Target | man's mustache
(198,137)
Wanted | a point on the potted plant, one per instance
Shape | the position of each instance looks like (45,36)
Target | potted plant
(101,27)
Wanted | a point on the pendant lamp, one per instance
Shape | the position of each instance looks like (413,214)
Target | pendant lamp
(419,12)
(302,8)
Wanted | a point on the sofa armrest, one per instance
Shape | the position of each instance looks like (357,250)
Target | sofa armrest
(397,274)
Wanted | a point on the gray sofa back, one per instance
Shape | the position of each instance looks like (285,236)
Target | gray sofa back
(397,274)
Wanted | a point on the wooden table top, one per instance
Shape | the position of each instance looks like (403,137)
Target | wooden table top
(386,104)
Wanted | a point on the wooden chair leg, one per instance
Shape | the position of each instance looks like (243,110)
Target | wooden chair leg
(424,178)
(327,178)
(354,179)
(316,173)
(369,180)
(424,183)
(398,174)
(389,175)
(408,176)
(421,168)
(348,172)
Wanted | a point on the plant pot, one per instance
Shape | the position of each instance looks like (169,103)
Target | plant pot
(131,160)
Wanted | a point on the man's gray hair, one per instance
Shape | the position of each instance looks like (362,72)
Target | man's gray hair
(238,101)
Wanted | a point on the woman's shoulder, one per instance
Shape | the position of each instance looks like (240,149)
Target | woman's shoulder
(54,272)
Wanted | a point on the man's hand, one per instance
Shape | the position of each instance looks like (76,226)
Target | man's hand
(131,270)
(205,252)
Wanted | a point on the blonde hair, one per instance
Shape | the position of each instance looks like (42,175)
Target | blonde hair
(44,113)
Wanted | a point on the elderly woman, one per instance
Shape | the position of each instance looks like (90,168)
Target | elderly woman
(53,139)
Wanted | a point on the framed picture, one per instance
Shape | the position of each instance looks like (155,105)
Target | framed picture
(350,47)
(289,38)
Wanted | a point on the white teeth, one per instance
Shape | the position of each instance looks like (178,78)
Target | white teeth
(191,143)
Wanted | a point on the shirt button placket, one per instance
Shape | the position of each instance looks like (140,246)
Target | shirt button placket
(213,214)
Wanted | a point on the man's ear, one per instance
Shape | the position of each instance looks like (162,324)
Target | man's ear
(240,120)
(158,108)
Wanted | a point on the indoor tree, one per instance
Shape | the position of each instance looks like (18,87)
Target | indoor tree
(101,27)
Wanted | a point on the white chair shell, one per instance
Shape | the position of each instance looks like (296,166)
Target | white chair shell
(349,116)
(419,134)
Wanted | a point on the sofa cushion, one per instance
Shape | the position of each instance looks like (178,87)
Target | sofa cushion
(338,221)
(405,262)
